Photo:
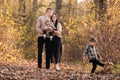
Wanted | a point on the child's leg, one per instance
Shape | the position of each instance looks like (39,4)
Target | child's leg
(94,66)
(99,63)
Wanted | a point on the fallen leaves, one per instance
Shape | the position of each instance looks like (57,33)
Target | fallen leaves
(18,72)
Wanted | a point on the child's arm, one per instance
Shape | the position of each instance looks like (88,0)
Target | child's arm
(98,54)
(85,54)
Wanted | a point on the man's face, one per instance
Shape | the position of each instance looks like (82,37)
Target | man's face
(50,13)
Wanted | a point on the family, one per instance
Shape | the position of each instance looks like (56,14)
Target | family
(50,33)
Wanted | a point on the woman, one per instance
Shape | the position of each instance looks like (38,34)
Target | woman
(56,42)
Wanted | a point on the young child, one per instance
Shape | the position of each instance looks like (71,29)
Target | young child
(93,55)
(48,23)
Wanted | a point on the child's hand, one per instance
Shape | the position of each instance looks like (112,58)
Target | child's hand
(100,59)
(47,22)
(84,59)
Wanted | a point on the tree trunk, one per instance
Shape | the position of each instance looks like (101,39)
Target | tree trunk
(101,8)
(22,11)
(58,7)
(35,5)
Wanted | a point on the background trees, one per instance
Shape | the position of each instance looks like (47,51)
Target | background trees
(80,21)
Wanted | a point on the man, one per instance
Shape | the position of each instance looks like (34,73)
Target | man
(42,29)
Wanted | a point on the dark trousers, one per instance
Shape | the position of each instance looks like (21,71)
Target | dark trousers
(41,42)
(94,64)
(56,49)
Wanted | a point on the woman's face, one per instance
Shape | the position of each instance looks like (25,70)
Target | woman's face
(54,18)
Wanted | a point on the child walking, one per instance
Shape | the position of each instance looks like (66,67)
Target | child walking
(93,55)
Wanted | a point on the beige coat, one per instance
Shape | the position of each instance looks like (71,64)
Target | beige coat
(59,30)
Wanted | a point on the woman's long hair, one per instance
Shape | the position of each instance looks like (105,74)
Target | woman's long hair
(56,22)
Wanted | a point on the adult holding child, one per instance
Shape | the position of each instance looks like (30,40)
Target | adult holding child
(43,27)
(56,42)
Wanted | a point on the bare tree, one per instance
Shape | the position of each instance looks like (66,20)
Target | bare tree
(58,7)
(22,11)
(101,8)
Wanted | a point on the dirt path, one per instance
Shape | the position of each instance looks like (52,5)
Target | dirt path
(29,72)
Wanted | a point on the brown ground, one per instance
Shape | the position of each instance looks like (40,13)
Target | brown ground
(27,70)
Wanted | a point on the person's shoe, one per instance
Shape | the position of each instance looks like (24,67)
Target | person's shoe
(47,67)
(106,66)
(92,74)
(57,67)
(39,69)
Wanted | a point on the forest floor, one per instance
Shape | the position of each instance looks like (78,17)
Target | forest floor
(27,70)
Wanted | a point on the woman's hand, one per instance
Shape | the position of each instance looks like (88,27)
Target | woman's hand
(57,32)
(50,29)
(45,28)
